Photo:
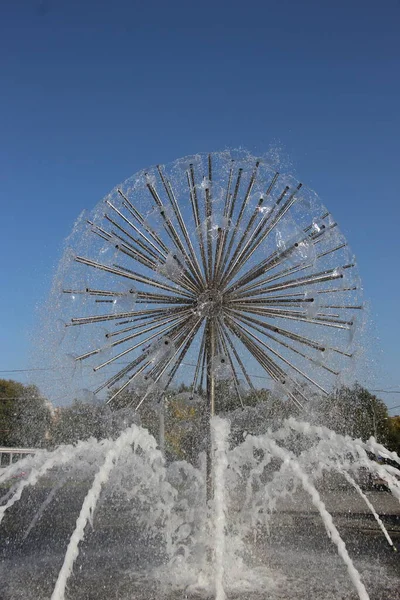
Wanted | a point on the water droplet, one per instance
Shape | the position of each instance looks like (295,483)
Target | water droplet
(297,247)
(213,226)
(221,367)
(72,368)
(172,267)
(353,330)
(161,348)
(125,301)
(312,303)
(87,396)
(60,331)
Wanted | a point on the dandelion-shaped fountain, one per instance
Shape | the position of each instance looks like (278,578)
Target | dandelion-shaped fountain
(222,263)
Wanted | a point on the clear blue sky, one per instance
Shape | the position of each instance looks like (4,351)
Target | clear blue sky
(94,90)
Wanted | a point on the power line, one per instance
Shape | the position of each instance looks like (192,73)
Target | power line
(28,370)
(387,391)
(184,363)
(22,398)
(5,398)
(187,364)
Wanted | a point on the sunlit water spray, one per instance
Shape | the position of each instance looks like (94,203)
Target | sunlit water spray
(229,521)
(134,436)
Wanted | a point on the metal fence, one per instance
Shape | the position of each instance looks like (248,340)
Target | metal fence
(8,456)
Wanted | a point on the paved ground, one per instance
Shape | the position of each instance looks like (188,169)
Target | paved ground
(344,501)
(119,561)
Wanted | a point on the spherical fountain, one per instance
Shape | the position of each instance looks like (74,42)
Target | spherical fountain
(207,275)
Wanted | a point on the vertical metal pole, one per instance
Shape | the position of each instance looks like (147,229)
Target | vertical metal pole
(211,374)
(210,341)
(374,418)
(161,433)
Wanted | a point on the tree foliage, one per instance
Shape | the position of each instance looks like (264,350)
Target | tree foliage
(25,416)
(352,411)
(393,436)
(356,412)
(29,422)
(83,420)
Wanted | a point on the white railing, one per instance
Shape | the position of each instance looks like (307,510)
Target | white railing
(13,454)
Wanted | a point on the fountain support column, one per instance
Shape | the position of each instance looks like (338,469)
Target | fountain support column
(210,345)
(220,443)
(161,431)
(217,440)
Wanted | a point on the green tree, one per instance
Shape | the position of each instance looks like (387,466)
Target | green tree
(80,421)
(184,418)
(393,441)
(350,410)
(25,416)
(356,412)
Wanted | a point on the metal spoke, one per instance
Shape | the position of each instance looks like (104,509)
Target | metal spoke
(320,277)
(232,203)
(248,250)
(183,346)
(278,257)
(240,216)
(193,258)
(196,215)
(283,359)
(228,354)
(222,232)
(141,343)
(253,323)
(296,316)
(289,334)
(276,373)
(162,252)
(173,234)
(238,359)
(129,275)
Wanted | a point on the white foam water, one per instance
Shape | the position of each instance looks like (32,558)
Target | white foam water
(205,547)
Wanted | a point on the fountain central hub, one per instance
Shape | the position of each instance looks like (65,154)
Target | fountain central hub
(209,303)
